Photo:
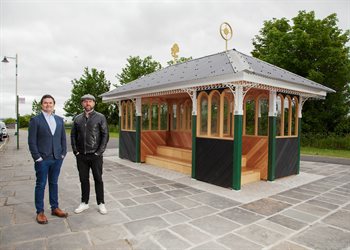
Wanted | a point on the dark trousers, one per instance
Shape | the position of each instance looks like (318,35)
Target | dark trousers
(95,162)
(47,170)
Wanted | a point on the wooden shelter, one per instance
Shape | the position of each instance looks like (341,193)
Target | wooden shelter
(226,119)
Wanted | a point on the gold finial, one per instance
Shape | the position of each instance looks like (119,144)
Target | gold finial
(174,50)
(226,32)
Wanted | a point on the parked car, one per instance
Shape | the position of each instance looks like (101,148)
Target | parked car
(3,131)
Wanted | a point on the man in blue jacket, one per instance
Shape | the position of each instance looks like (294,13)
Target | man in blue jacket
(48,146)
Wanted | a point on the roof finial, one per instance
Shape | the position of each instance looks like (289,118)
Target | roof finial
(174,50)
(226,32)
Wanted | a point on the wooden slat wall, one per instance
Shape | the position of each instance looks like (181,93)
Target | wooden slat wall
(179,139)
(256,150)
(149,142)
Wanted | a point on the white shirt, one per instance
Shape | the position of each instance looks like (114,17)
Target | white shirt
(50,119)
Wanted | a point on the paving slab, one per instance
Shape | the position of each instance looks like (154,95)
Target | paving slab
(101,235)
(260,235)
(266,206)
(69,241)
(31,231)
(92,219)
(287,222)
(339,219)
(145,226)
(175,218)
(143,211)
(190,233)
(215,225)
(211,245)
(323,237)
(298,215)
(311,209)
(144,244)
(237,242)
(240,215)
(197,212)
(121,244)
(214,200)
(170,205)
(31,245)
(288,245)
(170,241)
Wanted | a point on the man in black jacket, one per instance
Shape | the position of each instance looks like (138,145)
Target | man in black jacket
(89,138)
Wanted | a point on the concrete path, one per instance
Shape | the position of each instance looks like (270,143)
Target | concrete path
(153,208)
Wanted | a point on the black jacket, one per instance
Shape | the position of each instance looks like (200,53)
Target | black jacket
(89,135)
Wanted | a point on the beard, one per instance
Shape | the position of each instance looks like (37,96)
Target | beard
(88,108)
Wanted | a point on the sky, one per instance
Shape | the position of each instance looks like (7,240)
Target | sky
(56,39)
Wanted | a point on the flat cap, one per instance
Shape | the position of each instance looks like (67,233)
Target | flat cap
(87,97)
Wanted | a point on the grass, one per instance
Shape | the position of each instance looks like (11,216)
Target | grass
(325,152)
(114,134)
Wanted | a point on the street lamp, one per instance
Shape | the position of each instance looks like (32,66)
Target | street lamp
(17,99)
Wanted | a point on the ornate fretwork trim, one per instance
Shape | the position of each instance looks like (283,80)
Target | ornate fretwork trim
(119,104)
(302,100)
(192,92)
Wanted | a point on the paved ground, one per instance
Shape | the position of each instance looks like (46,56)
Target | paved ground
(152,208)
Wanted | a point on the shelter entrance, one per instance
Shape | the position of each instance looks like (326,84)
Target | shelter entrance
(166,138)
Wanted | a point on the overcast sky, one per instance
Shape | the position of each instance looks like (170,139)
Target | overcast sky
(56,39)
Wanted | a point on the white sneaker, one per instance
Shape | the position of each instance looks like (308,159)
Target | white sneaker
(82,207)
(102,208)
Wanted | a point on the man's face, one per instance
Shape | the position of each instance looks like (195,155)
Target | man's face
(88,104)
(48,105)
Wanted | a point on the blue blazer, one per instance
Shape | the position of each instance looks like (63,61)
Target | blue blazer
(41,141)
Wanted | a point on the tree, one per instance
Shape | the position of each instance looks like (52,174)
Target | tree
(36,107)
(93,83)
(137,67)
(315,49)
(24,121)
(10,121)
(181,60)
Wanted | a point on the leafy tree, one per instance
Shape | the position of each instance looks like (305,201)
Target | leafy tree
(315,49)
(181,60)
(91,82)
(10,121)
(137,67)
(36,107)
(24,121)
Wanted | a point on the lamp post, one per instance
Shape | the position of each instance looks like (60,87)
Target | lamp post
(17,98)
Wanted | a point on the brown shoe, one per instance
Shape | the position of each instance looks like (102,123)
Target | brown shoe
(41,218)
(59,213)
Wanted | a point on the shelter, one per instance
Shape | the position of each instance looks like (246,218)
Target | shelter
(226,119)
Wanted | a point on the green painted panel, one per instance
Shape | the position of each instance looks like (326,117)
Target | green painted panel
(237,152)
(138,139)
(272,149)
(194,135)
(299,137)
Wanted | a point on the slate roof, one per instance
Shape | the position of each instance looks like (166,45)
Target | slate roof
(223,67)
